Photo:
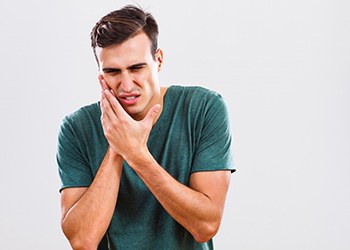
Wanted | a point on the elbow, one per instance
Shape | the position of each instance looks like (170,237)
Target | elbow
(206,232)
(82,244)
(78,241)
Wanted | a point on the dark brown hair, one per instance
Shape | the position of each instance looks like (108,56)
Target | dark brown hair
(120,25)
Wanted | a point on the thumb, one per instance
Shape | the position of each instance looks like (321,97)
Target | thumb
(152,114)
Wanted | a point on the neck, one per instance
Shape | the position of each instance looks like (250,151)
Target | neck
(163,91)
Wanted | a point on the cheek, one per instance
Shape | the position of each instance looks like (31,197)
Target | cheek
(111,81)
(140,78)
(149,77)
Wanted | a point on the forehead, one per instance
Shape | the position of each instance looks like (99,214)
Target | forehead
(133,50)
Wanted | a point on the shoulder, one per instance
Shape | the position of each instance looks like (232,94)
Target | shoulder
(195,97)
(198,104)
(190,90)
(197,94)
(90,111)
(82,119)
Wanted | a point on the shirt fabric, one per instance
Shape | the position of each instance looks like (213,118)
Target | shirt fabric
(192,134)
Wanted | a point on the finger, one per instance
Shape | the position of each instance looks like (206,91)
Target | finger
(105,119)
(106,107)
(151,115)
(114,103)
(113,93)
(103,83)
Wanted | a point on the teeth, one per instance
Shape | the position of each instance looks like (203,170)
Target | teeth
(130,98)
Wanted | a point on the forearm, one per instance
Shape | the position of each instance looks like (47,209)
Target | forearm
(87,220)
(194,210)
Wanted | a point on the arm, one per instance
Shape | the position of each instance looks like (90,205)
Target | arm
(87,212)
(198,207)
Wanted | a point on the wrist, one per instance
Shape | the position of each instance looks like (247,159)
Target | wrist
(140,160)
(112,156)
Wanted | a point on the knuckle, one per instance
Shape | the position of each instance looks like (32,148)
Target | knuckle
(114,124)
(108,132)
(122,120)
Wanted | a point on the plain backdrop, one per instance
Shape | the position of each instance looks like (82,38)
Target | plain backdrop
(281,65)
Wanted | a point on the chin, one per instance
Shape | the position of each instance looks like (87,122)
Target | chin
(134,113)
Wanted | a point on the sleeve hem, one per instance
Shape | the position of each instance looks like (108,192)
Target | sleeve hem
(207,170)
(73,186)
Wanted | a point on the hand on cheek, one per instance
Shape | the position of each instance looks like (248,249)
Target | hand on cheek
(104,85)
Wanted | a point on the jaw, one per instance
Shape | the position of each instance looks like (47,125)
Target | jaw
(139,112)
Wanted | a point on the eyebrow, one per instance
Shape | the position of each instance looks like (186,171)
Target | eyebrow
(137,65)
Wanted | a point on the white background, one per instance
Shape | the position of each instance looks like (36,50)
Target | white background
(281,65)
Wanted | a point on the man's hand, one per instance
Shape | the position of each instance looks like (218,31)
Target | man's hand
(126,136)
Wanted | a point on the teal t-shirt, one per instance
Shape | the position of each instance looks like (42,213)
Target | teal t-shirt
(192,134)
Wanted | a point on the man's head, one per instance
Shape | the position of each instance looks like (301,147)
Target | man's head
(125,46)
(123,24)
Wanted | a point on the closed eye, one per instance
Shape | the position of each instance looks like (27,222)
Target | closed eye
(137,67)
(111,71)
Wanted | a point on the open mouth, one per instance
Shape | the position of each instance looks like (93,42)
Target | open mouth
(130,99)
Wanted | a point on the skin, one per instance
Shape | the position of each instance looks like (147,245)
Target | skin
(131,102)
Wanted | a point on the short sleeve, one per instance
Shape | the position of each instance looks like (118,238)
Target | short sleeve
(213,150)
(73,168)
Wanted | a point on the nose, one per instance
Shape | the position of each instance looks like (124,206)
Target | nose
(126,82)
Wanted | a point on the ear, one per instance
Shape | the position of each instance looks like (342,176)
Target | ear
(159,58)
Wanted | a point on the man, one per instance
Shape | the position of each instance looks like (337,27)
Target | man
(147,167)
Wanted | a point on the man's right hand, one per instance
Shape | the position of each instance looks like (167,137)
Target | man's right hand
(126,136)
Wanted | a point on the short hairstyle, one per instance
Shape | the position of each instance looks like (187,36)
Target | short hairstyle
(123,24)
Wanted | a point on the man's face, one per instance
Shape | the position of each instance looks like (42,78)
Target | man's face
(132,73)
